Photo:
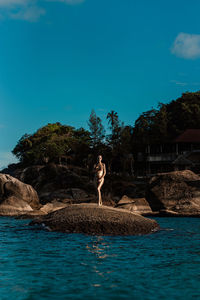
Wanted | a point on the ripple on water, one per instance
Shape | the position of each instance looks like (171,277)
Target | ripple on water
(37,264)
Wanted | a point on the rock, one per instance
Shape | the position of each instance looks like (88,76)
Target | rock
(118,186)
(30,215)
(72,184)
(16,197)
(14,206)
(71,195)
(44,210)
(98,220)
(176,192)
(57,182)
(171,213)
(50,207)
(136,205)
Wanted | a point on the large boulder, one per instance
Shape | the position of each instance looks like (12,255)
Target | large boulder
(16,197)
(98,220)
(55,182)
(136,205)
(62,183)
(73,184)
(118,186)
(175,193)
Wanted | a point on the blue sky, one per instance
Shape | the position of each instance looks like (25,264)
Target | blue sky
(59,59)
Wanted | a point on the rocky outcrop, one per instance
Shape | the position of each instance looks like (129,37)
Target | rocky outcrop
(66,184)
(118,186)
(16,197)
(44,210)
(136,205)
(69,195)
(53,206)
(98,220)
(176,193)
(58,183)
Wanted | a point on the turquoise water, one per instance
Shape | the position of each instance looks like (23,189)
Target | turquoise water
(36,264)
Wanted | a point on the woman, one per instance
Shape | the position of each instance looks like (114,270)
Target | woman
(100,172)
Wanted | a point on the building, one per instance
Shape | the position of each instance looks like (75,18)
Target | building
(183,153)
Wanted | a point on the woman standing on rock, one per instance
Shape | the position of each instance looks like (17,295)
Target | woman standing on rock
(100,172)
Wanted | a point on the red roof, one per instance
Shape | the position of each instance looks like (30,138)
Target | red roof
(189,136)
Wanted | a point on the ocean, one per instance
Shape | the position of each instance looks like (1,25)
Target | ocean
(37,264)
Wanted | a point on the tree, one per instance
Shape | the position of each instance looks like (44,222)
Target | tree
(115,127)
(97,131)
(145,130)
(126,149)
(115,141)
(113,119)
(183,113)
(165,123)
(51,142)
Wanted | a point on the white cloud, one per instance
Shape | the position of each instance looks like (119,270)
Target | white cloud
(186,46)
(190,84)
(6,158)
(180,83)
(30,13)
(27,10)
(5,3)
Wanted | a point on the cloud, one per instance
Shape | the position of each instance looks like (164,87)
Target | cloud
(27,10)
(30,13)
(186,46)
(180,83)
(5,3)
(190,84)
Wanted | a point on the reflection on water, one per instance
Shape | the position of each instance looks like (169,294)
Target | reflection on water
(36,264)
(99,247)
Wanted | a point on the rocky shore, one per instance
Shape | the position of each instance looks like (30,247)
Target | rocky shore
(97,220)
(42,190)
(17,197)
(175,194)
(21,200)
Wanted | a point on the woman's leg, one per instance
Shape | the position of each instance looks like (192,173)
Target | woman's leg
(99,191)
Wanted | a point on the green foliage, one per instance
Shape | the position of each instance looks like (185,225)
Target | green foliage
(155,126)
(126,140)
(115,128)
(50,143)
(97,131)
(183,113)
(169,120)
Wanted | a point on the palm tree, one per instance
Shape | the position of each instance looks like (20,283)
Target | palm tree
(113,119)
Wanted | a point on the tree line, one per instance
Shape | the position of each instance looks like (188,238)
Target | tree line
(63,143)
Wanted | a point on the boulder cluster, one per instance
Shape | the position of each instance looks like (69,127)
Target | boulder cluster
(66,201)
(175,193)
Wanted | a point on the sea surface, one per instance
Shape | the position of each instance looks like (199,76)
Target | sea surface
(38,264)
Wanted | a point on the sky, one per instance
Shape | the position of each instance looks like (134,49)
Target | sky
(59,59)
